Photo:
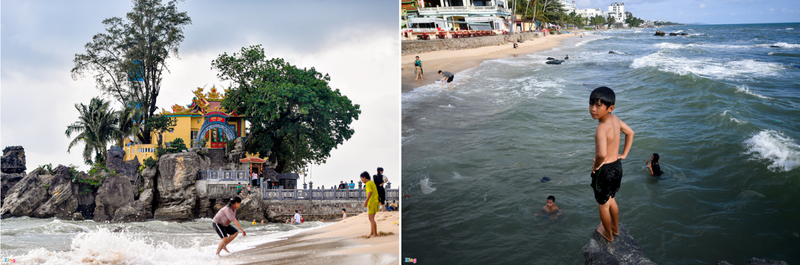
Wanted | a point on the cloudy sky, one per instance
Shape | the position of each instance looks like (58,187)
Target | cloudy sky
(354,41)
(707,11)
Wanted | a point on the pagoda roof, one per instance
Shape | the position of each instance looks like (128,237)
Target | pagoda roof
(202,103)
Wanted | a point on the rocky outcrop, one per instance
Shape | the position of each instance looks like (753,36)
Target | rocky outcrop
(9,180)
(114,161)
(673,34)
(177,196)
(175,213)
(251,209)
(623,250)
(60,190)
(238,150)
(115,192)
(13,160)
(755,261)
(25,197)
(660,33)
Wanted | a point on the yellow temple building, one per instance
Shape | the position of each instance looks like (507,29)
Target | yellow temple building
(203,117)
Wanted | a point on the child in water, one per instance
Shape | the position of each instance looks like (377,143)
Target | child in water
(652,164)
(550,208)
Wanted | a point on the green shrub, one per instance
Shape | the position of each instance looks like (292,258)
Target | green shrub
(230,145)
(46,168)
(160,151)
(150,162)
(176,146)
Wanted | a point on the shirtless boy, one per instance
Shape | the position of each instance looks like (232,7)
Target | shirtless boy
(607,167)
(550,208)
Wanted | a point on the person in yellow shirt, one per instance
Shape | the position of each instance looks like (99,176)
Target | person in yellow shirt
(371,203)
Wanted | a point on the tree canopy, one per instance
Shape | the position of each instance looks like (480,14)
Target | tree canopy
(129,59)
(294,114)
(96,126)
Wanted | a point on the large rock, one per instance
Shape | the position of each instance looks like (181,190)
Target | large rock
(175,213)
(114,161)
(24,197)
(115,192)
(61,202)
(623,250)
(660,33)
(13,160)
(175,182)
(85,196)
(253,208)
(756,261)
(9,180)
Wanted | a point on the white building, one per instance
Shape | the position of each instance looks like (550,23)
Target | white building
(569,6)
(590,12)
(617,10)
(466,14)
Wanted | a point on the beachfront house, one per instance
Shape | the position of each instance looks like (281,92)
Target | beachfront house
(491,15)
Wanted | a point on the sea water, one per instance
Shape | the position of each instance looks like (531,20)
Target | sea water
(53,241)
(719,105)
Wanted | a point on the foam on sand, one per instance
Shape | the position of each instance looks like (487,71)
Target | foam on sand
(425,185)
(782,152)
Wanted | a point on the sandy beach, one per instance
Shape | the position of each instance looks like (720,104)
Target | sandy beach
(340,243)
(456,61)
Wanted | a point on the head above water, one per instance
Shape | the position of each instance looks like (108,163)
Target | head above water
(655,158)
(364,176)
(602,95)
(551,198)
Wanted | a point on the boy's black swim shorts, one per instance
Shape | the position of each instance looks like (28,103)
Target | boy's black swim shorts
(606,181)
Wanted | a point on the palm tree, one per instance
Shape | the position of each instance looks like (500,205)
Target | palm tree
(95,127)
(127,125)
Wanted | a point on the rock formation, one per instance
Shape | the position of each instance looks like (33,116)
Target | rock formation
(115,192)
(253,208)
(13,160)
(9,180)
(660,33)
(24,197)
(177,197)
(623,250)
(61,202)
(755,261)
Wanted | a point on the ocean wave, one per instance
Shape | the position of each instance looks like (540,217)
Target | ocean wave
(725,114)
(746,90)
(781,151)
(425,185)
(590,40)
(706,67)
(779,44)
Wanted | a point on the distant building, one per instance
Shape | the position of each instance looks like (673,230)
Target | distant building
(462,14)
(590,12)
(617,10)
(569,6)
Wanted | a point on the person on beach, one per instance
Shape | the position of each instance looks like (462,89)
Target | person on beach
(379,180)
(607,167)
(222,224)
(344,214)
(239,189)
(352,185)
(297,219)
(447,77)
(418,69)
(550,208)
(652,164)
(371,203)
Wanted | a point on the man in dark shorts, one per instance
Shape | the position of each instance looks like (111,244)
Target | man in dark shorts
(222,224)
(379,180)
(446,76)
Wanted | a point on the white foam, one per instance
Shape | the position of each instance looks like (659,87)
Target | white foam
(746,90)
(668,45)
(457,176)
(590,40)
(782,152)
(789,28)
(707,67)
(425,186)
(779,44)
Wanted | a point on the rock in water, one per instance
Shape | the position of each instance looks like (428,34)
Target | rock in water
(623,250)
(177,174)
(673,34)
(9,180)
(660,33)
(115,192)
(77,217)
(550,58)
(24,197)
(755,261)
(13,160)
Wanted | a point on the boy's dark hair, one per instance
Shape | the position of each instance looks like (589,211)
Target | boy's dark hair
(365,175)
(240,183)
(655,157)
(343,210)
(380,169)
(603,94)
(440,71)
(551,198)
(234,200)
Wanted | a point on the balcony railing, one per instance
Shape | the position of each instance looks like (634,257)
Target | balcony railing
(478,9)
(224,175)
(323,194)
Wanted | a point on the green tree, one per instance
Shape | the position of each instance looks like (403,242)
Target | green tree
(611,21)
(159,124)
(96,126)
(294,115)
(128,60)
(127,125)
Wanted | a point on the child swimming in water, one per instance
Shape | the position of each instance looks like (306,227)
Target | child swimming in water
(550,208)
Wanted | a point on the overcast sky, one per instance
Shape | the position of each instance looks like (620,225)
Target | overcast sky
(707,11)
(353,41)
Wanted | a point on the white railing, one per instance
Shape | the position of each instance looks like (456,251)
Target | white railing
(481,9)
(323,194)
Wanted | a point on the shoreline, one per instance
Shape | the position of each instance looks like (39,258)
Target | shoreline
(342,242)
(457,61)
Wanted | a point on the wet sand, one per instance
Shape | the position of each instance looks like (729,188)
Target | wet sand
(456,61)
(340,243)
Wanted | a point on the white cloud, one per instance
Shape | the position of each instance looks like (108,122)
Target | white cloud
(702,5)
(787,10)
(772,9)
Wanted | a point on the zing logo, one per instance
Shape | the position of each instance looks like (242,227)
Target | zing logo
(9,260)
(411,260)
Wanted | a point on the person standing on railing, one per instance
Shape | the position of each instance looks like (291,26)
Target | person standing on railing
(379,180)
